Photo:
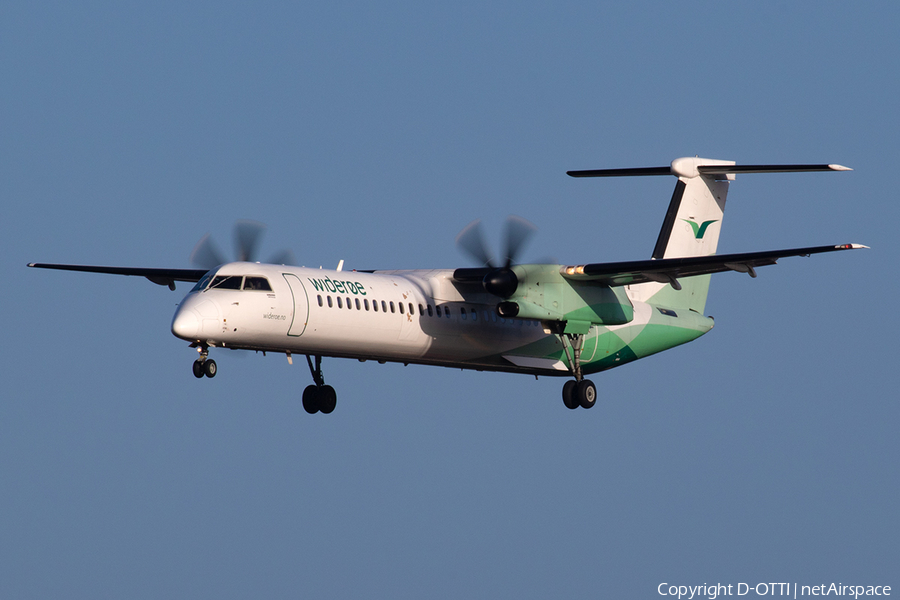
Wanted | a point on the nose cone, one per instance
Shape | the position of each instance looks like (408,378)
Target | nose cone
(186,324)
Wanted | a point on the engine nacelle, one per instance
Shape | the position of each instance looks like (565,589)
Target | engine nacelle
(543,294)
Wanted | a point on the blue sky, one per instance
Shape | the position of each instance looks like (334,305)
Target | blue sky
(764,451)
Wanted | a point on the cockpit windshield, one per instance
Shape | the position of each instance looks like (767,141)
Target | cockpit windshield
(204,281)
(226,282)
(257,283)
(232,282)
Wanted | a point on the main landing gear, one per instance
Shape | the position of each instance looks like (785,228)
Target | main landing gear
(204,365)
(580,392)
(319,397)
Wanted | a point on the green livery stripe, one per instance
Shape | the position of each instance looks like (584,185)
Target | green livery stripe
(607,348)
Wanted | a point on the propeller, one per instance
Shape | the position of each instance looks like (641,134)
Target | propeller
(247,235)
(499,280)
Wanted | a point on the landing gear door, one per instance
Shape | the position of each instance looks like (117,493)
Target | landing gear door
(300,316)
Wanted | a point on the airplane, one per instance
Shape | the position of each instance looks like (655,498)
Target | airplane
(537,319)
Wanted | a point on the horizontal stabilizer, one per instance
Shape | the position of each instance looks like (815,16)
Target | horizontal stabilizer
(158,276)
(689,168)
(726,169)
(633,172)
(668,270)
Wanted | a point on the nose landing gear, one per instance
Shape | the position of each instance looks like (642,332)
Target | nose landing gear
(204,365)
(319,397)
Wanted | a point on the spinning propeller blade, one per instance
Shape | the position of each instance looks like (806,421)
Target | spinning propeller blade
(471,240)
(518,230)
(206,255)
(246,239)
(499,281)
(247,236)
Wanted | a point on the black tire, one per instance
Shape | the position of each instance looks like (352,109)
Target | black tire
(568,394)
(209,368)
(327,399)
(197,368)
(311,399)
(586,393)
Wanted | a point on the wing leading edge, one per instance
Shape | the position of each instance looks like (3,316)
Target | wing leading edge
(668,270)
(166,277)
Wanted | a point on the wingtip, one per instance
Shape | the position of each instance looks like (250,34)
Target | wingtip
(839,168)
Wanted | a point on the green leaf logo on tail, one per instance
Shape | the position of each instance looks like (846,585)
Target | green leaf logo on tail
(699,229)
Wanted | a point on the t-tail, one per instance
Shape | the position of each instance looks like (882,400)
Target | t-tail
(693,221)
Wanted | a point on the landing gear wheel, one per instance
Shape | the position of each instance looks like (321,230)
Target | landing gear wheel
(319,397)
(327,399)
(198,368)
(209,368)
(568,394)
(586,393)
(311,399)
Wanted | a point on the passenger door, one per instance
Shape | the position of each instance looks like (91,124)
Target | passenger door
(300,315)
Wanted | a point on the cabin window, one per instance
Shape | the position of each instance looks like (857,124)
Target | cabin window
(257,283)
(320,299)
(400,305)
(357,303)
(430,311)
(421,310)
(226,282)
(366,303)
(474,315)
(340,302)
(375,305)
(392,306)
(329,302)
(437,309)
(384,306)
(462,313)
(447,311)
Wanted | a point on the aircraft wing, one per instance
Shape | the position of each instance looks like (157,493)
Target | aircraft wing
(158,276)
(668,270)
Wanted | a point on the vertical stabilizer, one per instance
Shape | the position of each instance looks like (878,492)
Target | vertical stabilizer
(691,228)
(694,219)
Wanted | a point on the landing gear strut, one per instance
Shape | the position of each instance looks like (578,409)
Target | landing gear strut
(203,365)
(319,397)
(580,392)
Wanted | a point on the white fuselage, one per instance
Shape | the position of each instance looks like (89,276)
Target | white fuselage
(401,316)
(404,316)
